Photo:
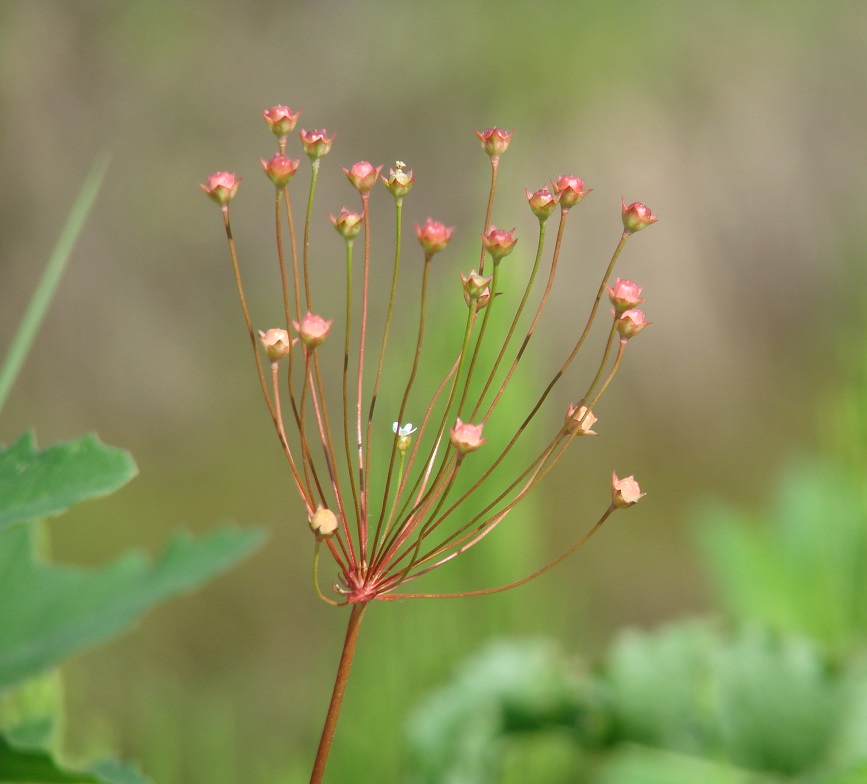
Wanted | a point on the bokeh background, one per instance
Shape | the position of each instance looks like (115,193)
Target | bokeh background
(742,124)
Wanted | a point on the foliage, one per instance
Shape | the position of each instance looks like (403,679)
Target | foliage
(779,695)
(686,703)
(49,611)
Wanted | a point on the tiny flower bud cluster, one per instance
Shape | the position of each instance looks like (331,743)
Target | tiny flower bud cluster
(420,520)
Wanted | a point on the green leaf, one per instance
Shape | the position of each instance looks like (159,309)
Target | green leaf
(463,731)
(25,762)
(112,771)
(36,484)
(31,765)
(805,569)
(49,611)
(659,689)
(779,708)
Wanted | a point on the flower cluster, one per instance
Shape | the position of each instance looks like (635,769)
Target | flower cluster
(383,534)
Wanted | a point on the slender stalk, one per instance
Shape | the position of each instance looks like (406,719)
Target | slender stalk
(501,588)
(495,166)
(340,682)
(45,290)
(349,467)
(314,175)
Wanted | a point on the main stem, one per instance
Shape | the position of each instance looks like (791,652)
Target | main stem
(337,695)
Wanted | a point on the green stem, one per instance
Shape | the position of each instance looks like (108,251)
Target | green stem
(337,694)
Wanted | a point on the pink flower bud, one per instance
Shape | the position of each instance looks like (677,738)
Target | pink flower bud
(579,421)
(277,344)
(280,120)
(636,216)
(433,236)
(495,141)
(400,180)
(312,329)
(475,284)
(570,190)
(624,492)
(323,522)
(348,224)
(476,289)
(280,169)
(499,242)
(316,143)
(630,323)
(624,295)
(362,175)
(221,187)
(466,437)
(542,202)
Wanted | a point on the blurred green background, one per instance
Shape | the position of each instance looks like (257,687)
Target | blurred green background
(742,125)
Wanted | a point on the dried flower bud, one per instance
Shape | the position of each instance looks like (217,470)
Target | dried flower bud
(495,141)
(624,492)
(276,343)
(630,323)
(280,120)
(499,242)
(433,236)
(624,295)
(362,175)
(323,522)
(312,329)
(542,202)
(579,421)
(348,223)
(221,187)
(570,190)
(466,437)
(316,143)
(400,180)
(280,169)
(636,216)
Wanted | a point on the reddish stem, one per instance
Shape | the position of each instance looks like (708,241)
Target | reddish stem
(337,695)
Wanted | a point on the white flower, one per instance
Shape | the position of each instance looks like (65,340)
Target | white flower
(403,430)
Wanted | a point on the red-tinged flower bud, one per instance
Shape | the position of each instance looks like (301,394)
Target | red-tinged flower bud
(630,323)
(316,143)
(363,176)
(312,329)
(495,141)
(433,236)
(277,344)
(625,492)
(542,202)
(624,295)
(280,120)
(466,437)
(499,242)
(570,190)
(280,169)
(636,216)
(400,180)
(477,291)
(323,522)
(475,284)
(579,421)
(221,187)
(348,224)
